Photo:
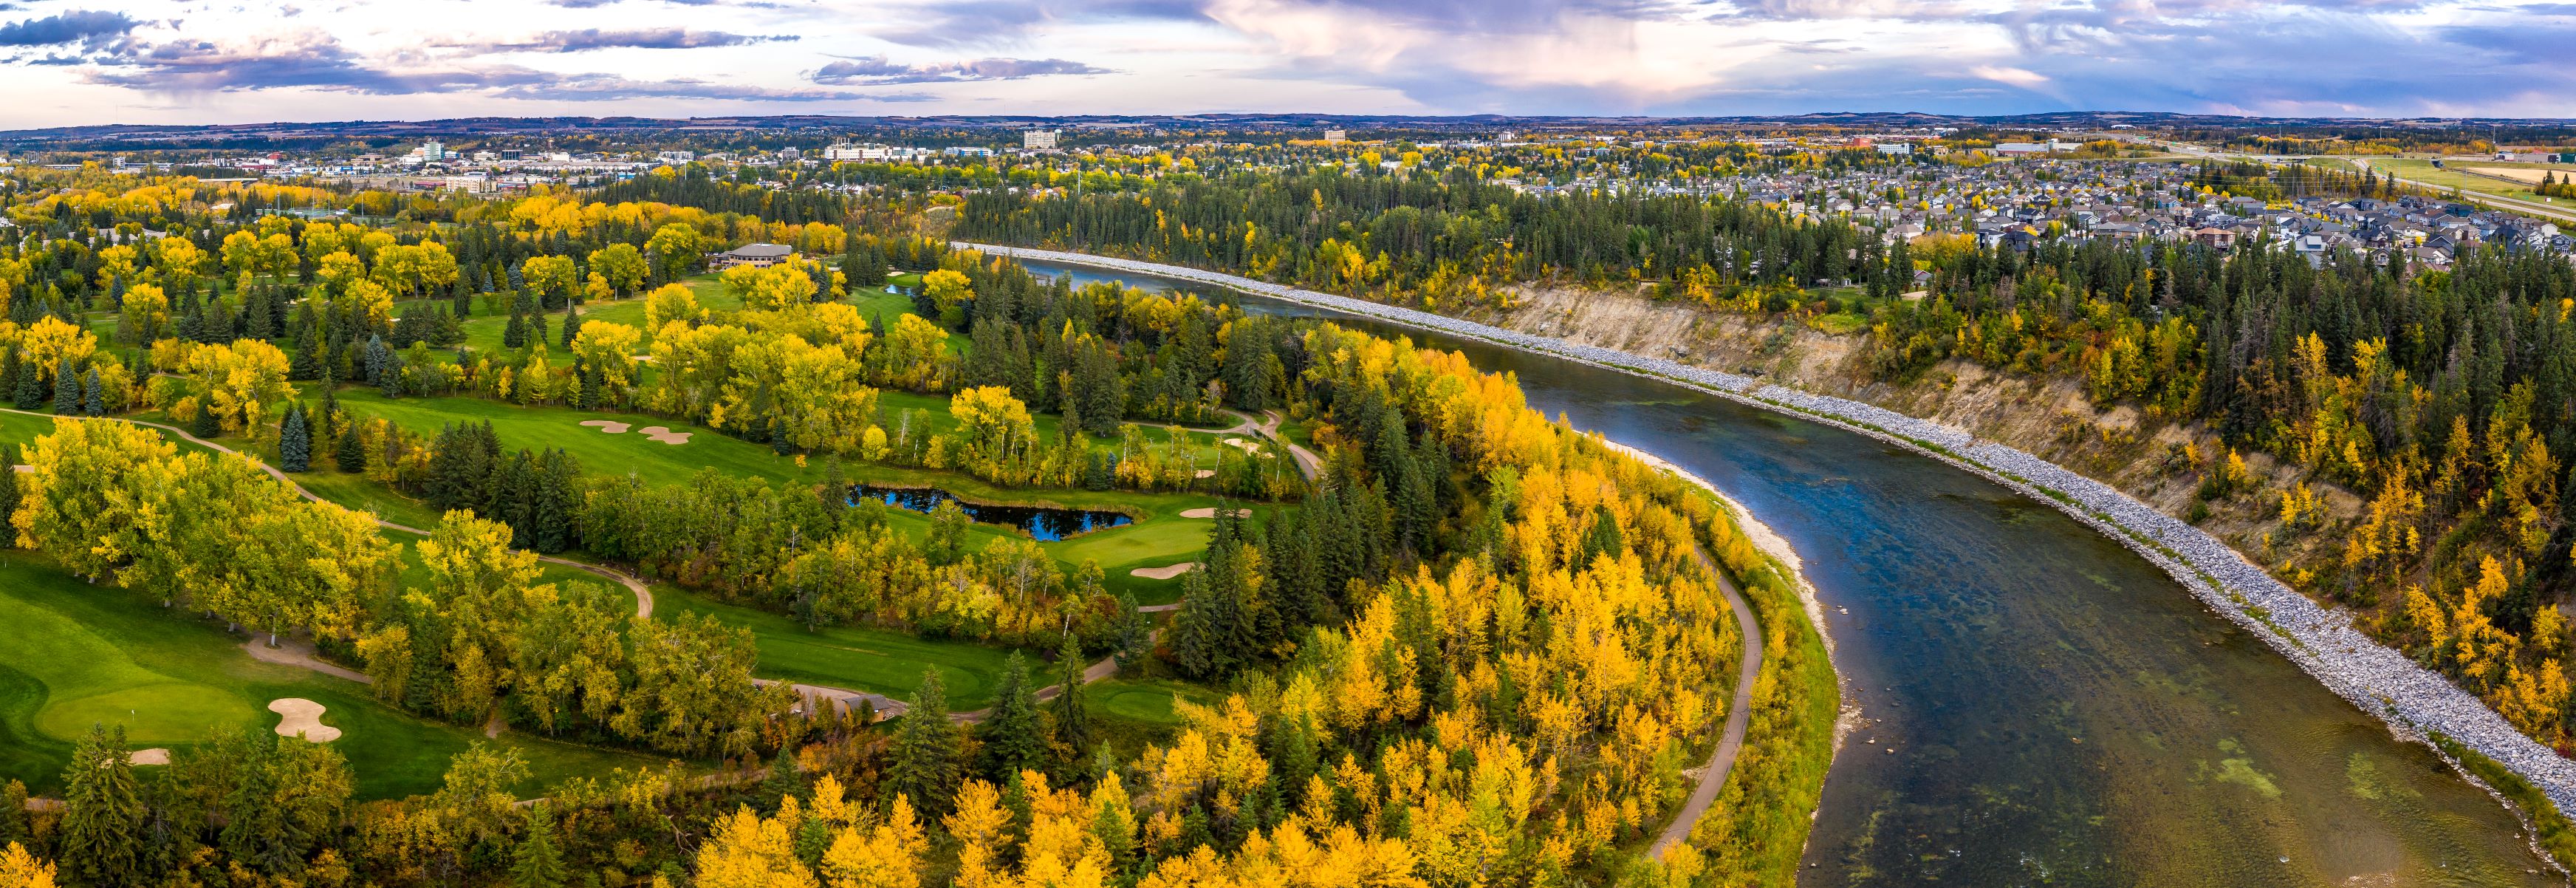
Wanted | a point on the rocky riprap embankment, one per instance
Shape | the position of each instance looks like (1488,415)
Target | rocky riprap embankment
(2319,639)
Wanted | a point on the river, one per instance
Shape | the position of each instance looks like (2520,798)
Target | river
(2039,706)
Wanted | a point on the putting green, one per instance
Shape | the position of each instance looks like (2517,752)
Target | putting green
(87,680)
(170,712)
(1144,700)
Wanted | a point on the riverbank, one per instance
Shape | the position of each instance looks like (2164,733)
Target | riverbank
(2318,639)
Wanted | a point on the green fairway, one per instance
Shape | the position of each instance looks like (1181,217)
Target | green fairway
(1147,700)
(22,430)
(355,491)
(1159,537)
(886,662)
(82,655)
(601,453)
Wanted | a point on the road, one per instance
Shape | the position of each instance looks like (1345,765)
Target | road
(1739,714)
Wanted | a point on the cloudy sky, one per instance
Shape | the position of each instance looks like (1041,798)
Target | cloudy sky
(68,62)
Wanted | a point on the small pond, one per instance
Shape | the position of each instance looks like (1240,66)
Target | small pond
(1044,523)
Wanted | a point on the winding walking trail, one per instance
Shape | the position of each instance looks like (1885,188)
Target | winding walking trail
(1307,461)
(1739,714)
(643,594)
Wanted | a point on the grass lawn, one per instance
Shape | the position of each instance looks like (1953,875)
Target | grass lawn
(886,662)
(1147,700)
(1159,537)
(536,427)
(356,492)
(1840,323)
(874,304)
(82,654)
(22,430)
(2424,171)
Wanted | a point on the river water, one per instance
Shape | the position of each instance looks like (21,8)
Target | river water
(2038,705)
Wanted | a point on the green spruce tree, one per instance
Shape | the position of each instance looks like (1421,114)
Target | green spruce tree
(351,456)
(295,441)
(924,761)
(535,863)
(1072,724)
(67,389)
(207,426)
(101,835)
(1011,734)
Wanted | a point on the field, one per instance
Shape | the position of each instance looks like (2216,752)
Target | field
(2528,174)
(82,654)
(2455,177)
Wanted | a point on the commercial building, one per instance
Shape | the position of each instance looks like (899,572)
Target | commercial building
(754,255)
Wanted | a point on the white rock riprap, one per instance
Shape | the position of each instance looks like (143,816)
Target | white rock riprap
(2320,639)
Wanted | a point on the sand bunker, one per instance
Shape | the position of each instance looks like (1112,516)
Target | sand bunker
(1165,572)
(1210,512)
(613,428)
(302,718)
(1206,473)
(664,435)
(154,756)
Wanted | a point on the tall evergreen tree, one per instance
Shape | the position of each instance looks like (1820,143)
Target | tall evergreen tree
(557,498)
(31,386)
(67,390)
(351,456)
(11,491)
(15,826)
(516,334)
(571,325)
(101,834)
(93,394)
(1010,735)
(535,863)
(924,762)
(295,441)
(783,779)
(1135,632)
(1072,724)
(390,381)
(208,426)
